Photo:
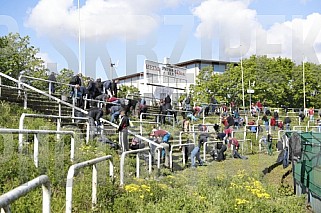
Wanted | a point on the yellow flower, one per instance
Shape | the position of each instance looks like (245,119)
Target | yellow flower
(142,196)
(163,186)
(132,187)
(241,201)
(145,187)
(202,198)
(170,176)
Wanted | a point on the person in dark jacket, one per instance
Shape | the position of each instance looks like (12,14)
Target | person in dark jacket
(52,77)
(287,122)
(114,88)
(95,114)
(123,129)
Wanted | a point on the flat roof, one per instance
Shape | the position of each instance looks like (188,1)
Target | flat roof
(180,64)
(194,61)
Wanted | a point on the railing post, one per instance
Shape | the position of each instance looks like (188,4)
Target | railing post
(121,169)
(22,117)
(35,150)
(87,132)
(50,85)
(111,169)
(46,194)
(25,100)
(140,123)
(149,162)
(69,185)
(72,147)
(137,165)
(94,186)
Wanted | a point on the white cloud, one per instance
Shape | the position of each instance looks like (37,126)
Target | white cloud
(234,24)
(100,19)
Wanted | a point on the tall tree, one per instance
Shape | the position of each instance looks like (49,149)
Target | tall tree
(17,55)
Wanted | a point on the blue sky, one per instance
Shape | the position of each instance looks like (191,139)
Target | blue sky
(129,31)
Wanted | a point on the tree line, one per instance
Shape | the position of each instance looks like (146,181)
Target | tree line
(278,81)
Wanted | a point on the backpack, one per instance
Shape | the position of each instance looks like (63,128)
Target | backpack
(74,80)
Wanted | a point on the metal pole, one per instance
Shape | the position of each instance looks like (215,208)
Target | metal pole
(303,70)
(94,186)
(79,40)
(242,79)
(35,150)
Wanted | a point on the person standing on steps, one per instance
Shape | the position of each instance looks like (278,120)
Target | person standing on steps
(123,130)
(52,78)
(163,138)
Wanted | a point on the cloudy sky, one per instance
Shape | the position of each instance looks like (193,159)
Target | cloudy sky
(126,32)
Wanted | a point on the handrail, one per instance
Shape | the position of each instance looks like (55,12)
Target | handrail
(24,115)
(183,153)
(36,141)
(24,189)
(71,173)
(137,151)
(205,145)
(152,114)
(42,93)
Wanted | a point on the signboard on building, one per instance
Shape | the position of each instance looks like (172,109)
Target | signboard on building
(165,70)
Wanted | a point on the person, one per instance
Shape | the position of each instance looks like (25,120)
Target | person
(273,122)
(193,151)
(52,78)
(311,113)
(113,87)
(287,122)
(136,143)
(234,144)
(230,121)
(107,87)
(123,129)
(301,115)
(95,114)
(265,122)
(163,137)
(115,112)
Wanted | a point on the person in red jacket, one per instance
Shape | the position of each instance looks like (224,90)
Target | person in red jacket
(163,137)
(273,122)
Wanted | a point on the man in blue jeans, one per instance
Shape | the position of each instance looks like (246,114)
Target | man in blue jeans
(165,136)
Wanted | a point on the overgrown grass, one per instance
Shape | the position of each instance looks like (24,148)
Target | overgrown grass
(229,186)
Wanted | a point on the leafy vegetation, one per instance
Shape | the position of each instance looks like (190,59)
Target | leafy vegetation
(278,81)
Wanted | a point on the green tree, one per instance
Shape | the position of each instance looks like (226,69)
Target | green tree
(16,55)
(125,90)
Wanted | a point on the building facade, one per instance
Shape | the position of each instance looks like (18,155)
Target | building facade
(161,79)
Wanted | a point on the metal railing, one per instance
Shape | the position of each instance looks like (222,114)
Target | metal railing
(20,84)
(24,115)
(71,173)
(137,151)
(150,142)
(157,118)
(183,153)
(205,146)
(13,195)
(36,140)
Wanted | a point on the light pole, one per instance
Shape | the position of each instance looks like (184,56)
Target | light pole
(242,79)
(79,40)
(304,104)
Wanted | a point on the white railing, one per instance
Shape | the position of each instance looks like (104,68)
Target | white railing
(58,118)
(205,146)
(158,116)
(19,83)
(71,173)
(137,151)
(13,195)
(183,153)
(150,142)
(36,140)
(48,81)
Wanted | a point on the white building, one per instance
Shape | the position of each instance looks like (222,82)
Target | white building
(160,79)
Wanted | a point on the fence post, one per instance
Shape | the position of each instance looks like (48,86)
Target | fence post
(25,100)
(72,147)
(94,186)
(137,165)
(35,150)
(46,194)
